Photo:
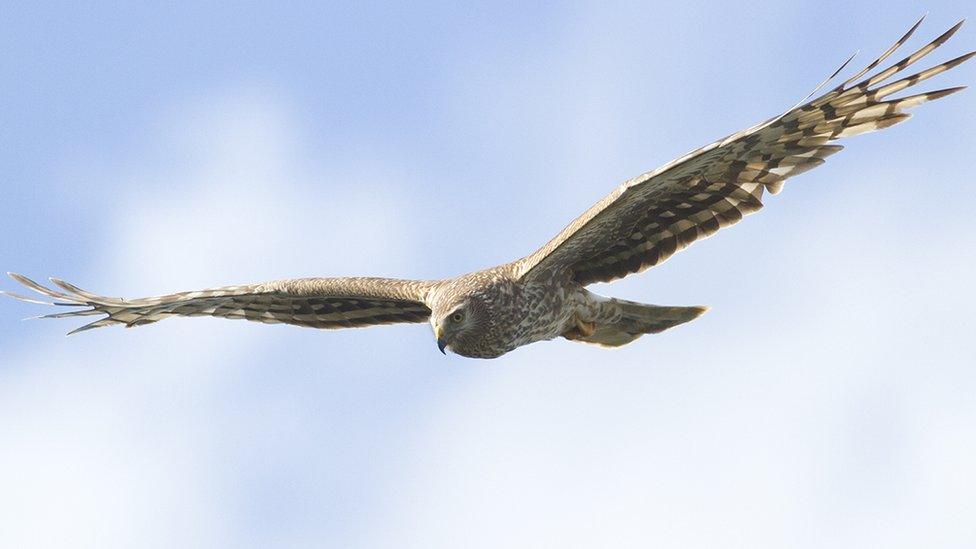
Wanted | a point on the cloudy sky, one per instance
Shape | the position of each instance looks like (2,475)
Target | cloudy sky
(827,400)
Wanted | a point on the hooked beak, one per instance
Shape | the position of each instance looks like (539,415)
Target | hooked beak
(441,342)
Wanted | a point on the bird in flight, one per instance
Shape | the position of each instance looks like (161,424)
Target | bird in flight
(543,295)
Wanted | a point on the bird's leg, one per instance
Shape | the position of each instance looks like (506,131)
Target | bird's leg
(580,328)
(585,328)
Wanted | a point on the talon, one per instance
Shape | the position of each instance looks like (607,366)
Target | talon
(585,328)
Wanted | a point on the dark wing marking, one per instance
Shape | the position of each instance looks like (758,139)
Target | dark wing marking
(313,302)
(649,218)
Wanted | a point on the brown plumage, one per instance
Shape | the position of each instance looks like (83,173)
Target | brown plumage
(640,224)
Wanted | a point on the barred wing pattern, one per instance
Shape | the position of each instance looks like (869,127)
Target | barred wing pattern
(649,218)
(327,303)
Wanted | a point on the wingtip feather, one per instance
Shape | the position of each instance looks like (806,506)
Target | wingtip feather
(20,278)
(25,299)
(939,94)
(91,326)
(63,285)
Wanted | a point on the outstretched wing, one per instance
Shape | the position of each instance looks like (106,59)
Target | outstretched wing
(327,303)
(650,217)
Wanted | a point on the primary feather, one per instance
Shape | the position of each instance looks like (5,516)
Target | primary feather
(649,218)
(312,302)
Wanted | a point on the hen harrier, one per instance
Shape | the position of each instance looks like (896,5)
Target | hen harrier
(542,296)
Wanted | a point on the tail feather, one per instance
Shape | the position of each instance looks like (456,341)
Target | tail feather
(638,319)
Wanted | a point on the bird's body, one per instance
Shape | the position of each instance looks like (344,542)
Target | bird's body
(517,312)
(514,312)
(543,296)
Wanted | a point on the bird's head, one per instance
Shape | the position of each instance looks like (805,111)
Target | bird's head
(472,314)
(461,326)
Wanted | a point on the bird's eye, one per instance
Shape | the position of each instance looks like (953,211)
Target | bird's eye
(457,317)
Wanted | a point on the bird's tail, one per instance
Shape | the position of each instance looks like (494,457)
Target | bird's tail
(636,320)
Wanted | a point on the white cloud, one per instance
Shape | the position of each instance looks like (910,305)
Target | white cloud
(825,401)
(821,404)
(120,439)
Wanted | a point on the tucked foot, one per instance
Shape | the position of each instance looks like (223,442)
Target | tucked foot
(580,329)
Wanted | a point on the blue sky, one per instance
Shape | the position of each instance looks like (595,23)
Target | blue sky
(825,400)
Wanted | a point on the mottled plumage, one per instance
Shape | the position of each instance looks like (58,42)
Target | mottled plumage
(640,224)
